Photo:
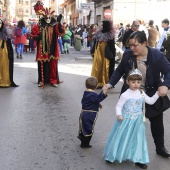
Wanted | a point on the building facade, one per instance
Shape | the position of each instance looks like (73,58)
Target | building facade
(2,8)
(89,11)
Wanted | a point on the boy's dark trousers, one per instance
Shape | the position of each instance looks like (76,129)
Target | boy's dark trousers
(85,140)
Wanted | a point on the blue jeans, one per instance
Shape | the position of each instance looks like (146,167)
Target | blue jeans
(20,49)
(60,44)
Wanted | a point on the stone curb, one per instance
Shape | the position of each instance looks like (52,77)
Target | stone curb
(84,58)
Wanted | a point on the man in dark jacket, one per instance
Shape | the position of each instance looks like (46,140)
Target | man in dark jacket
(134,27)
(165,26)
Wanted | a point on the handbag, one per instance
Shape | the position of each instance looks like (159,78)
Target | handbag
(161,105)
(108,53)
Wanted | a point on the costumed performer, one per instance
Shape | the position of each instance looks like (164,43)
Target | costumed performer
(102,67)
(6,59)
(46,33)
(127,140)
(90,107)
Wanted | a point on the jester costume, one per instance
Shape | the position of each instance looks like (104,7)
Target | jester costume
(46,33)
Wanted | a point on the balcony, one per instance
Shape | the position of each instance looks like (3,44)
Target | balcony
(1,2)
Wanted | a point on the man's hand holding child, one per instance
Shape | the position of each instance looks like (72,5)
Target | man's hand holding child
(105,89)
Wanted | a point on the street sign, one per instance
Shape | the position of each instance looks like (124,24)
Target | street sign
(85,5)
(108,14)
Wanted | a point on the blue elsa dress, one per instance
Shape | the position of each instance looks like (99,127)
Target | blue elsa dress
(127,140)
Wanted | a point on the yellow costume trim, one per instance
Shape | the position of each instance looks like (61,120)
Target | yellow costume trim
(80,122)
(4,66)
(100,67)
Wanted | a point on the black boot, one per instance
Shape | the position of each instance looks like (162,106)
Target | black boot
(21,57)
(67,51)
(85,146)
(162,152)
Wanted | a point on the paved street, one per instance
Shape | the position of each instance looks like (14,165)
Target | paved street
(38,127)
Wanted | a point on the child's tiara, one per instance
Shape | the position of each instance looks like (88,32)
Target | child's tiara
(134,72)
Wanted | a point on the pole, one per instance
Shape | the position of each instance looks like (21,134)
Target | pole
(135,10)
(95,13)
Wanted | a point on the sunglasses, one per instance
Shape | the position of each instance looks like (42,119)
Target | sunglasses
(136,25)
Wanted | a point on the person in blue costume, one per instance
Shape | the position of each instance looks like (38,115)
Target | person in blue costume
(90,107)
(127,140)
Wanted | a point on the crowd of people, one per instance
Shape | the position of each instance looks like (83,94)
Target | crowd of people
(144,67)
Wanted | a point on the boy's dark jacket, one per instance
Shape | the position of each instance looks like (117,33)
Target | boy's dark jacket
(91,100)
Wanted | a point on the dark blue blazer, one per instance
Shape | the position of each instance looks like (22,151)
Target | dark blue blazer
(156,63)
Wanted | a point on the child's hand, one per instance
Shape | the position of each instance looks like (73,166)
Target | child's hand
(105,89)
(100,106)
(120,118)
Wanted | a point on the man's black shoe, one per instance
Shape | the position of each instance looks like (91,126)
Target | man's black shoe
(163,152)
(142,166)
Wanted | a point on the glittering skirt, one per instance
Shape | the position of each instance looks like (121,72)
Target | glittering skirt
(127,141)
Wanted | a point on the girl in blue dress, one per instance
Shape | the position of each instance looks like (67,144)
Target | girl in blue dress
(127,140)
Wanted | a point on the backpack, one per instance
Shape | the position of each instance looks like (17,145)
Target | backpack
(18,32)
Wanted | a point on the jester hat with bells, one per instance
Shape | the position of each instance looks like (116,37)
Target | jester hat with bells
(39,8)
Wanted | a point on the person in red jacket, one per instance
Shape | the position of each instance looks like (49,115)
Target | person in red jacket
(20,38)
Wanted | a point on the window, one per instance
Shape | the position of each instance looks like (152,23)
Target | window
(27,11)
(20,10)
(20,1)
(26,2)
